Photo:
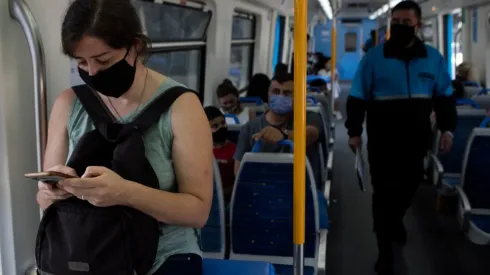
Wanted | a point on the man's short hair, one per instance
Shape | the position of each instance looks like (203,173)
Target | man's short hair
(285,77)
(409,5)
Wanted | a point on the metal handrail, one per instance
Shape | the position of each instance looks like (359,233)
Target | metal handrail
(20,11)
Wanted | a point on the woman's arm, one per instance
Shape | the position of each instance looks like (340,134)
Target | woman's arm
(56,149)
(192,159)
(57,144)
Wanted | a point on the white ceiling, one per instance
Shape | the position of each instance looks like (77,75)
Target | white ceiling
(433,7)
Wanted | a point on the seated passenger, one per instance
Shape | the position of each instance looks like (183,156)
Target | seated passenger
(277,124)
(465,72)
(259,87)
(229,102)
(106,39)
(223,149)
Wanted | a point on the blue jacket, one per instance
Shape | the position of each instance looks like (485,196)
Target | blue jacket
(399,90)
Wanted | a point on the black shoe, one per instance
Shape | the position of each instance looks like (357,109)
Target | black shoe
(384,266)
(401,234)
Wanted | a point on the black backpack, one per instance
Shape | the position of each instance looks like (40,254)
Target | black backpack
(75,237)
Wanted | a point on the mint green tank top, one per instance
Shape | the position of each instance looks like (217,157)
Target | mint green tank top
(158,149)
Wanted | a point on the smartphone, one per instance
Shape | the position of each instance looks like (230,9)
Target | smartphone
(48,177)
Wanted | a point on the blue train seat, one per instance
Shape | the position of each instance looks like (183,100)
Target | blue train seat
(467,102)
(230,267)
(213,233)
(234,132)
(325,152)
(251,101)
(259,110)
(471,91)
(474,190)
(325,98)
(231,119)
(262,213)
(483,101)
(447,168)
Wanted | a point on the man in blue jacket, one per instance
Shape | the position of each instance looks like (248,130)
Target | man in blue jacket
(398,84)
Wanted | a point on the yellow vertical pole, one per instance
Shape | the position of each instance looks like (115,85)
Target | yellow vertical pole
(300,26)
(388,25)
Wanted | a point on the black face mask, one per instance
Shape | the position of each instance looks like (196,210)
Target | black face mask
(221,135)
(113,81)
(401,35)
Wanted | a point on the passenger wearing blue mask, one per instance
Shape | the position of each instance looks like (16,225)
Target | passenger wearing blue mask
(397,85)
(277,124)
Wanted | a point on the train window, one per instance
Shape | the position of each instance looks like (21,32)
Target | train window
(182,66)
(169,22)
(178,40)
(242,49)
(350,42)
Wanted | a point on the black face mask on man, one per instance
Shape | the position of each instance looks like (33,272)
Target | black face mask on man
(401,35)
(220,135)
(113,81)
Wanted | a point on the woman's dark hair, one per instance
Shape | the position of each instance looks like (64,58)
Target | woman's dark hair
(116,22)
(320,63)
(212,112)
(259,86)
(226,88)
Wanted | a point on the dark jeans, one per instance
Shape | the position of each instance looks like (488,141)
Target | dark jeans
(181,264)
(395,180)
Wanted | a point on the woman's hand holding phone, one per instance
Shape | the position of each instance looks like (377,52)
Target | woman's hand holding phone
(49,193)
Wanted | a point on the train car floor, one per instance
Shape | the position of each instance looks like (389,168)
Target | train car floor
(435,245)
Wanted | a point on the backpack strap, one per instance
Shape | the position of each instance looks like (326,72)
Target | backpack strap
(152,113)
(95,108)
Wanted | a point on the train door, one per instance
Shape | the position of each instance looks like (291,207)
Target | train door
(349,41)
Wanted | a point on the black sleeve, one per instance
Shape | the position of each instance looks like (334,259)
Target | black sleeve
(356,109)
(446,115)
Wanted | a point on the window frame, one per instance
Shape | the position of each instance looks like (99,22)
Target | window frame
(181,47)
(252,42)
(170,46)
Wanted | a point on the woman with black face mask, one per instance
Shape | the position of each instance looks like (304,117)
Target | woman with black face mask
(223,149)
(106,39)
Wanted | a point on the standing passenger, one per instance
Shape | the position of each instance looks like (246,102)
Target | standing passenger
(106,39)
(398,85)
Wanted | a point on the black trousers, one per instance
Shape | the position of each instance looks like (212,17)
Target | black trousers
(395,178)
(181,264)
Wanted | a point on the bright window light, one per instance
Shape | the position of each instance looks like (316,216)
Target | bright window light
(383,9)
(326,7)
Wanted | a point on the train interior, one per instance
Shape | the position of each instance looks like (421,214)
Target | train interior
(202,42)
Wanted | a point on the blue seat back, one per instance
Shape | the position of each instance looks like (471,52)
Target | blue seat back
(228,267)
(254,100)
(234,132)
(231,119)
(483,101)
(262,207)
(476,175)
(467,120)
(213,233)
